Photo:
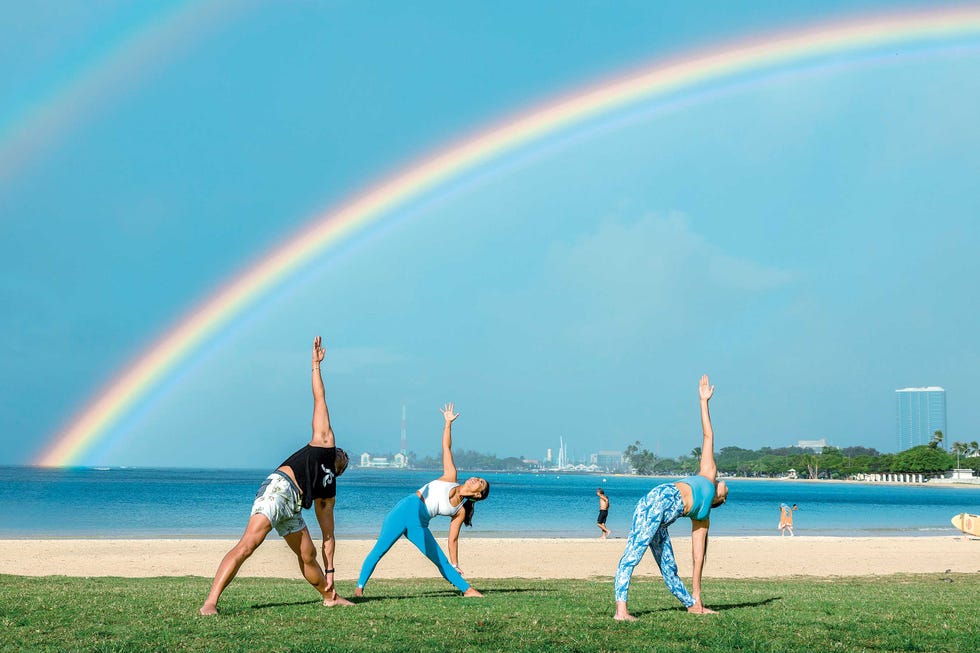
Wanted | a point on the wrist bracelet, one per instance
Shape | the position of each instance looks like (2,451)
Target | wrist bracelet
(328,571)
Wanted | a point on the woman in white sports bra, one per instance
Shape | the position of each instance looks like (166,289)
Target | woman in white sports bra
(411,516)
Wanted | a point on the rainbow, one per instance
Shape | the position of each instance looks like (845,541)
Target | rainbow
(112,70)
(327,229)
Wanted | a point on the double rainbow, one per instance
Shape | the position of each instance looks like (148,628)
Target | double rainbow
(325,230)
(107,74)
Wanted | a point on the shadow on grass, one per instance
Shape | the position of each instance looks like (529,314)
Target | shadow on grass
(713,606)
(264,606)
(519,590)
(450,593)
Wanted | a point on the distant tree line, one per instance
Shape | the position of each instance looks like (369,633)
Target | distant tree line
(831,462)
(472,460)
(765,462)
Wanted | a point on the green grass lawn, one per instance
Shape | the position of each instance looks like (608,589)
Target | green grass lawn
(932,612)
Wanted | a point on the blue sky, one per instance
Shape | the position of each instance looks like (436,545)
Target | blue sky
(807,239)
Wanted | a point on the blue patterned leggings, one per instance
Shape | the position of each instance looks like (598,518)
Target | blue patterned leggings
(410,518)
(654,513)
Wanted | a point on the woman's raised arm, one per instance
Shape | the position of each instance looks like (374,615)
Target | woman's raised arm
(708,467)
(448,466)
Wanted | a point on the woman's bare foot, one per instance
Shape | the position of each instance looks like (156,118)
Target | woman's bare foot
(472,593)
(622,614)
(336,600)
(208,610)
(359,592)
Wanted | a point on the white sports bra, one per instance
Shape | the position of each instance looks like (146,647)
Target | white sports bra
(435,495)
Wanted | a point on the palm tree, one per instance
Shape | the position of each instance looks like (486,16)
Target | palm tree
(696,453)
(937,439)
(974,449)
(959,448)
(812,465)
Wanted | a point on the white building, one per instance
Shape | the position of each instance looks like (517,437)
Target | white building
(399,461)
(816,445)
(608,460)
(960,474)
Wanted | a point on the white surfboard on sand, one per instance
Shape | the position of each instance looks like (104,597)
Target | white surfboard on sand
(969,524)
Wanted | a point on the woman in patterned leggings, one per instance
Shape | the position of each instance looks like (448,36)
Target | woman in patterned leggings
(692,497)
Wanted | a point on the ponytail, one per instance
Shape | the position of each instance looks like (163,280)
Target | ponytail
(469,505)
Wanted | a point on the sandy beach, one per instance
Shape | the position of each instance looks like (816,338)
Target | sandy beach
(728,557)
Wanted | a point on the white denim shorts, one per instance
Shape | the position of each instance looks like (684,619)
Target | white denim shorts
(278,499)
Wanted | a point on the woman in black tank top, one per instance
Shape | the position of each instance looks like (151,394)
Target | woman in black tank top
(306,479)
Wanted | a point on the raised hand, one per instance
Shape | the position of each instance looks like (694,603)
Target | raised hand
(706,389)
(318,351)
(449,413)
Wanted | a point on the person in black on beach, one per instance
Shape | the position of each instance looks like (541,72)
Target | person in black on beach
(603,513)
(306,479)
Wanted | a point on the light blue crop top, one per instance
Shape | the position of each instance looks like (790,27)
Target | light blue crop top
(702,494)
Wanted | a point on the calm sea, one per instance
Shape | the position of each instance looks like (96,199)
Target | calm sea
(204,503)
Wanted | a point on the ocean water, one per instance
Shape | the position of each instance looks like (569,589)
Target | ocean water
(203,503)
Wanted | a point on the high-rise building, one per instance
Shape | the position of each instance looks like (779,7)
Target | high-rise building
(919,412)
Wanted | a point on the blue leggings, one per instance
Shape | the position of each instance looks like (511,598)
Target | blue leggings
(410,518)
(654,513)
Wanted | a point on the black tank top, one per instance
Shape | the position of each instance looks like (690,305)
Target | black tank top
(315,472)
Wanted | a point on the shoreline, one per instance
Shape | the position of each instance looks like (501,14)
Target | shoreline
(728,557)
(441,534)
(945,483)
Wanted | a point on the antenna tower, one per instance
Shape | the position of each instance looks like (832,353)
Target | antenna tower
(403,429)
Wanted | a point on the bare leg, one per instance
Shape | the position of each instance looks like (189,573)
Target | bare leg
(255,533)
(622,613)
(605,531)
(422,538)
(302,545)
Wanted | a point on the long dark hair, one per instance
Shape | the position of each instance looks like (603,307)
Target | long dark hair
(468,505)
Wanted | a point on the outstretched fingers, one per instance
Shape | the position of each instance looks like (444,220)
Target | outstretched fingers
(706,389)
(449,412)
